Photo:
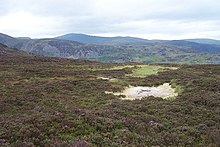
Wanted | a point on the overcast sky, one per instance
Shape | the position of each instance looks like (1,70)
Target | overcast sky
(150,19)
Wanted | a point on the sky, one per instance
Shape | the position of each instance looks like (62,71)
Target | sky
(150,19)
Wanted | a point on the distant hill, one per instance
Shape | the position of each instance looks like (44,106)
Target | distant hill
(120,41)
(13,42)
(175,51)
(206,45)
(210,48)
(5,38)
(50,47)
(204,41)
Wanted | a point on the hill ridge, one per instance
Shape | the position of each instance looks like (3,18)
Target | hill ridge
(174,51)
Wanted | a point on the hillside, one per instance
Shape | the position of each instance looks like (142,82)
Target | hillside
(62,102)
(176,51)
(6,51)
(5,38)
(13,42)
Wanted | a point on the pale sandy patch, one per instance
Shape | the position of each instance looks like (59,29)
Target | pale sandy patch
(164,91)
(103,78)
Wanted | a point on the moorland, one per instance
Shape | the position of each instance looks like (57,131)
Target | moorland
(48,101)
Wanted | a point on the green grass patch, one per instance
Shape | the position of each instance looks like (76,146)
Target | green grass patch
(113,68)
(147,70)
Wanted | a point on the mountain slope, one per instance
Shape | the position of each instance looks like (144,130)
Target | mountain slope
(13,42)
(50,47)
(6,51)
(5,39)
(209,48)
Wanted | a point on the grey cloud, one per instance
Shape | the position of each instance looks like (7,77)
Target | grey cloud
(4,9)
(172,17)
(50,7)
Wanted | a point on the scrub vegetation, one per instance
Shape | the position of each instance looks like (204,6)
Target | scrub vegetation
(62,102)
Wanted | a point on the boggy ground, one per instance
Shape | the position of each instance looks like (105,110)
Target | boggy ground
(61,102)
